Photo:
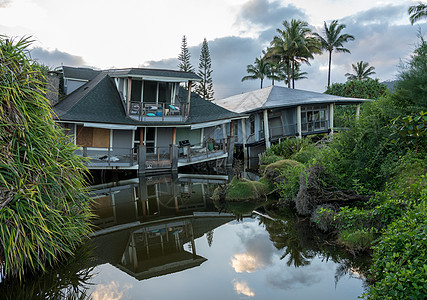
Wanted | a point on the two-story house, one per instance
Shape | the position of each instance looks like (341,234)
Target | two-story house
(141,119)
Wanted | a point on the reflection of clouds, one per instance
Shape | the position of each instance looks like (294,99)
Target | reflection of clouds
(241,287)
(111,291)
(258,252)
(246,263)
(289,279)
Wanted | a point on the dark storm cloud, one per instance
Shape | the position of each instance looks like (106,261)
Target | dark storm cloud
(383,14)
(265,13)
(56,58)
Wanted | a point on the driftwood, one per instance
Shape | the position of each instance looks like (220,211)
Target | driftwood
(315,190)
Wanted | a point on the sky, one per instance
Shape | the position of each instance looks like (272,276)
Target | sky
(137,33)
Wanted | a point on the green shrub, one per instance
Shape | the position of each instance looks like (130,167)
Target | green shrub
(277,168)
(287,147)
(356,240)
(44,212)
(307,154)
(288,187)
(400,259)
(269,159)
(244,189)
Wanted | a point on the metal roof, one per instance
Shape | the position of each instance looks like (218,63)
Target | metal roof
(277,96)
(153,73)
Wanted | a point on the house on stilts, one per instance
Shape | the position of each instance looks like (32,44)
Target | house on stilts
(277,112)
(141,119)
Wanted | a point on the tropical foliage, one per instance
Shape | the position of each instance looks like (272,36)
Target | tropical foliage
(259,70)
(295,44)
(366,89)
(380,162)
(44,212)
(332,39)
(417,12)
(362,71)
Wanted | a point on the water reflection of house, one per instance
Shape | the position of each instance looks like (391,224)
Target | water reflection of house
(148,225)
(278,112)
(141,119)
(158,248)
(154,197)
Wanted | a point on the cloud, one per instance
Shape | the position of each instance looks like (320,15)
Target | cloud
(258,253)
(241,287)
(289,279)
(383,35)
(4,3)
(56,58)
(268,14)
(111,291)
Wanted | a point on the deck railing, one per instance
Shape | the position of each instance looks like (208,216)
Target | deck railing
(143,111)
(125,157)
(203,150)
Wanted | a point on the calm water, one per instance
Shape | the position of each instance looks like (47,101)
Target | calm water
(163,237)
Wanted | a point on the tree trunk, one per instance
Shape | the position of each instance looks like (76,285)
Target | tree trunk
(293,74)
(329,69)
(288,73)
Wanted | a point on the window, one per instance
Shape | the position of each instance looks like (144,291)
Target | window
(313,118)
(252,124)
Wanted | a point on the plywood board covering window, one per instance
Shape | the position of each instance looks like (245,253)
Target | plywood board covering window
(93,137)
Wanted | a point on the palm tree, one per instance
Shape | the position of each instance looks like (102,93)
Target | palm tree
(295,44)
(334,40)
(277,66)
(417,12)
(259,70)
(361,70)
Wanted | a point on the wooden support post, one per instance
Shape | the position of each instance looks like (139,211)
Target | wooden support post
(244,137)
(174,163)
(174,136)
(299,125)
(331,117)
(129,94)
(189,97)
(141,159)
(357,111)
(266,130)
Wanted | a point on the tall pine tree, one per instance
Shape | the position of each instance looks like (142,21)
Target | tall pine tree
(205,87)
(184,59)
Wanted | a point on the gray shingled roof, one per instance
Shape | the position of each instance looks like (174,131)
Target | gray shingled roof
(202,110)
(277,96)
(80,73)
(141,72)
(98,101)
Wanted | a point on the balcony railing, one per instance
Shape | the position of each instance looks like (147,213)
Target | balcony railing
(314,126)
(109,157)
(156,112)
